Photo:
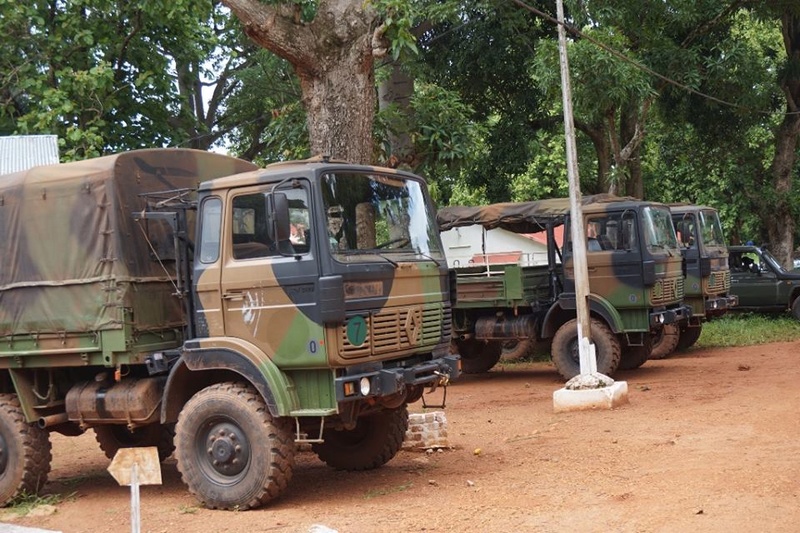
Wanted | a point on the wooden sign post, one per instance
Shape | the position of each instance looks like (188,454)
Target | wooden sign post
(134,467)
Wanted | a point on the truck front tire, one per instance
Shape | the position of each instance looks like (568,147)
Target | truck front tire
(565,355)
(231,453)
(665,341)
(688,337)
(374,441)
(25,452)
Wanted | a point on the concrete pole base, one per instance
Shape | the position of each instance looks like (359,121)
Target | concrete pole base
(607,397)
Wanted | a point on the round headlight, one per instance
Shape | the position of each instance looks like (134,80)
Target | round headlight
(365,386)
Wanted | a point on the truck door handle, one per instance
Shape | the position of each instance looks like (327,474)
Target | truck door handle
(591,269)
(233,296)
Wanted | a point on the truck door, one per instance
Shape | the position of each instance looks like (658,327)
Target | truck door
(268,287)
(613,258)
(208,317)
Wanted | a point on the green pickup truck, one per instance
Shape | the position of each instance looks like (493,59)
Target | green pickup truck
(761,283)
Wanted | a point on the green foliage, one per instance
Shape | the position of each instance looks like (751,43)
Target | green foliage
(748,329)
(265,117)
(546,175)
(463,195)
(104,76)
(25,503)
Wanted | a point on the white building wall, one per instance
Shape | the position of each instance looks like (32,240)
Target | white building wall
(462,245)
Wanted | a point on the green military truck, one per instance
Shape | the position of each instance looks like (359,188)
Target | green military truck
(635,277)
(707,288)
(175,293)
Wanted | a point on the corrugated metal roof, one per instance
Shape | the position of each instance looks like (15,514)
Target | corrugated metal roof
(21,152)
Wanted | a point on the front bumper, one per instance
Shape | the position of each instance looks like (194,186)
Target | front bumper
(382,382)
(720,304)
(662,317)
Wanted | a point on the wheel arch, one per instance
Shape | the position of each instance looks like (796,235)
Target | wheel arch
(565,309)
(200,367)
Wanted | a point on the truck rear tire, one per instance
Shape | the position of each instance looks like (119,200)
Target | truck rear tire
(478,357)
(564,350)
(688,337)
(232,454)
(374,441)
(515,349)
(113,437)
(25,452)
(665,341)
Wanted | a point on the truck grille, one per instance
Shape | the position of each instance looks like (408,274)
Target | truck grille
(717,283)
(666,291)
(394,330)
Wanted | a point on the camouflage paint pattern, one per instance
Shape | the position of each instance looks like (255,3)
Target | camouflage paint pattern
(273,302)
(618,290)
(75,264)
(708,276)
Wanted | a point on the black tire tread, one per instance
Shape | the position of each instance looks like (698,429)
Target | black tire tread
(688,337)
(606,343)
(666,343)
(164,440)
(282,446)
(36,452)
(478,357)
(379,451)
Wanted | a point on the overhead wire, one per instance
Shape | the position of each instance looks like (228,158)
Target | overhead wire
(619,55)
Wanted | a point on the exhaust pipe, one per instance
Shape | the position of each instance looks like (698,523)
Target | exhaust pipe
(52,420)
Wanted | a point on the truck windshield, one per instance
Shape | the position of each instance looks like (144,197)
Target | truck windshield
(659,233)
(711,229)
(378,213)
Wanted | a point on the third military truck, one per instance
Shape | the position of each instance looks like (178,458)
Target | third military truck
(635,275)
(707,288)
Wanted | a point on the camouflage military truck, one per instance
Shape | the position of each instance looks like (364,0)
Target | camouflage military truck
(707,286)
(175,293)
(635,278)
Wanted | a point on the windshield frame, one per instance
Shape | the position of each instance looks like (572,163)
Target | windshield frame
(709,225)
(658,230)
(369,214)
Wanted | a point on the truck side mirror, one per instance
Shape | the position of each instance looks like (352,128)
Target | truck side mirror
(279,226)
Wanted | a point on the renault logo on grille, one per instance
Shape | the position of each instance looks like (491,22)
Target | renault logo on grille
(413,325)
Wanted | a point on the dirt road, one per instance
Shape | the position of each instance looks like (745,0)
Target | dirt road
(710,442)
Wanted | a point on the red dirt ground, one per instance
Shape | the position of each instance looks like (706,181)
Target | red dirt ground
(709,442)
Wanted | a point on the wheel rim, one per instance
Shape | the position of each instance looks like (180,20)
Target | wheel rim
(574,351)
(223,451)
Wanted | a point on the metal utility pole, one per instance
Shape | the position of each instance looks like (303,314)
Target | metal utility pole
(586,349)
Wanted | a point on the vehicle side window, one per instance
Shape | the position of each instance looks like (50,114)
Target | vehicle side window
(210,225)
(610,232)
(250,225)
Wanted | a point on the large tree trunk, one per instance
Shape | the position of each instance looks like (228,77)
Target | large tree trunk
(598,134)
(397,90)
(333,57)
(779,221)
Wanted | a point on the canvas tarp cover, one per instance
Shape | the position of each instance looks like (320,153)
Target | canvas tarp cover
(518,217)
(72,256)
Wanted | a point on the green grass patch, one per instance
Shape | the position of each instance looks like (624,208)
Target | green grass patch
(747,329)
(25,503)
